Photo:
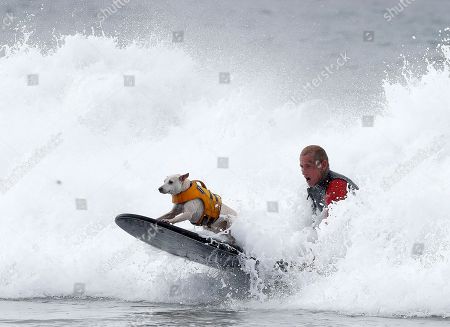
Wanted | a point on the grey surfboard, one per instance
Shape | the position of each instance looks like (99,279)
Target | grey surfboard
(181,242)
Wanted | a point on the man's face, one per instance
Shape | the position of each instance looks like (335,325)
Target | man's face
(311,170)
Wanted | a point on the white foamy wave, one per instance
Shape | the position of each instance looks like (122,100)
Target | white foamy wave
(116,144)
(390,245)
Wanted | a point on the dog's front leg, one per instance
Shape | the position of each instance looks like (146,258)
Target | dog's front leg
(184,216)
(176,209)
(167,216)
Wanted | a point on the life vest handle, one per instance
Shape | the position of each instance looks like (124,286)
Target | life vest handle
(201,183)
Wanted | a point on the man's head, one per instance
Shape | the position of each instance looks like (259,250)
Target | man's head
(314,164)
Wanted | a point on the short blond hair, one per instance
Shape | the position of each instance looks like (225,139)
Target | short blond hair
(317,151)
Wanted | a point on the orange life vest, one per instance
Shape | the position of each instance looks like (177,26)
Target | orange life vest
(212,203)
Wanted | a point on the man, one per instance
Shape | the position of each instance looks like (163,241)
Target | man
(325,186)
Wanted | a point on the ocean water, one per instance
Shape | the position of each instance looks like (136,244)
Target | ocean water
(98,107)
(107,312)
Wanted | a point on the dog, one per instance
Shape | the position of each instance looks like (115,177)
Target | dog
(194,209)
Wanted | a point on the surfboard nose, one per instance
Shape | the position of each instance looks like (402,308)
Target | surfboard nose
(181,242)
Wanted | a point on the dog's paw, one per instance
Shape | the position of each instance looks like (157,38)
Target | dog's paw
(167,221)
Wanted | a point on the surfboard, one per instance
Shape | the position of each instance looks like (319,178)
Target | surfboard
(181,242)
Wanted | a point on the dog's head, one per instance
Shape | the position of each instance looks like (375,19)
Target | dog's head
(175,184)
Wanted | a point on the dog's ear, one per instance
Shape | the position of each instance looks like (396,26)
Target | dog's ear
(183,177)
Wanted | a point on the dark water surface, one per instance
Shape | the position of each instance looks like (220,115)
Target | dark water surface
(100,312)
(283,44)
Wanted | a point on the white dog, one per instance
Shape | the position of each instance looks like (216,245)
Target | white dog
(194,202)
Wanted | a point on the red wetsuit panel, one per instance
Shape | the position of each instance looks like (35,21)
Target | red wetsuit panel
(336,190)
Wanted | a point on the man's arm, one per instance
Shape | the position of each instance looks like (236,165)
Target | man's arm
(336,191)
